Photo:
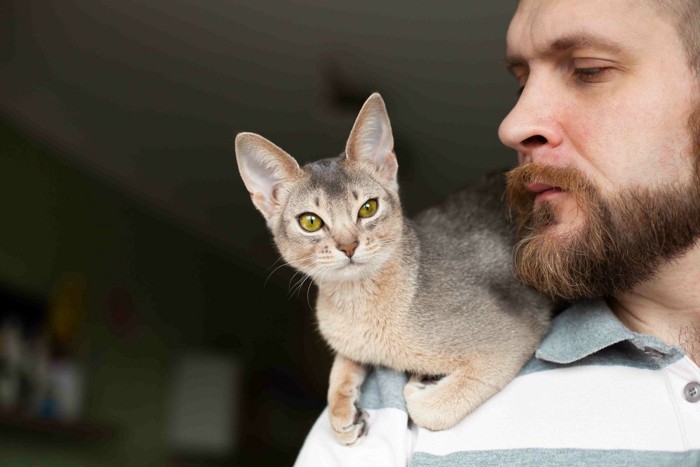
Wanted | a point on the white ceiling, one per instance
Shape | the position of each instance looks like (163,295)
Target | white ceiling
(148,95)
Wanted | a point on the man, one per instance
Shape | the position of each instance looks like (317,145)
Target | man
(607,130)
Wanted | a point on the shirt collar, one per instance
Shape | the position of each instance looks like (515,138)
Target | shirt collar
(589,327)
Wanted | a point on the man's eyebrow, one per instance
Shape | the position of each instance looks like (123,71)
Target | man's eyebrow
(581,41)
(565,43)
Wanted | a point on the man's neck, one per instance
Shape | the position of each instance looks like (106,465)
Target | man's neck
(668,305)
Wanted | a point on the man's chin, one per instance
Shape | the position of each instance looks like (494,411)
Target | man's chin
(550,259)
(565,212)
(562,233)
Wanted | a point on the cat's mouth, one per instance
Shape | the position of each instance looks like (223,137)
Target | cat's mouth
(352,263)
(349,269)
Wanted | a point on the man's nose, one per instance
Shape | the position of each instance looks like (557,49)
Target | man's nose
(534,122)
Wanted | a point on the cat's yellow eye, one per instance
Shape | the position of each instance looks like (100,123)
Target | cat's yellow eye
(368,209)
(310,222)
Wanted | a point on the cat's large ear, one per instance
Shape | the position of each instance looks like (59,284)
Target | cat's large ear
(264,168)
(371,140)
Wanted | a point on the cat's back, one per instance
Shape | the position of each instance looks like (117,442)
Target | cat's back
(467,290)
(474,215)
(466,242)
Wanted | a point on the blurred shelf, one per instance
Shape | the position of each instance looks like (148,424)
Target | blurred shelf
(79,430)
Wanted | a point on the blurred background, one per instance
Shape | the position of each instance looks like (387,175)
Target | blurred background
(142,317)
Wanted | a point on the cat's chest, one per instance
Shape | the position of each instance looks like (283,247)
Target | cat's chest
(365,331)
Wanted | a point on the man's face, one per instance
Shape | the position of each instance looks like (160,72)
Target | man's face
(602,134)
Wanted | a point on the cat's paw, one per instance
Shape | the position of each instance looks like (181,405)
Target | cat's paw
(418,383)
(427,405)
(349,423)
(429,413)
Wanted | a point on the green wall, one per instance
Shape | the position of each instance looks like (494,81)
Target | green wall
(57,218)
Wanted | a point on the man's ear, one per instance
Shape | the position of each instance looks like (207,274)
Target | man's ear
(371,140)
(264,168)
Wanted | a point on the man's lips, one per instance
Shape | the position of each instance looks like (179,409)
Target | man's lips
(542,189)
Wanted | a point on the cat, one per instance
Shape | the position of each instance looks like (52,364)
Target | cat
(435,295)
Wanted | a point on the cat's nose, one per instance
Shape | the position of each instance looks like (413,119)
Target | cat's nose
(348,248)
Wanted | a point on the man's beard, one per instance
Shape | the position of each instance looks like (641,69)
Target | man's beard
(622,241)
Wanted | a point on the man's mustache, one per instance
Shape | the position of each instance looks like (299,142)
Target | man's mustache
(524,182)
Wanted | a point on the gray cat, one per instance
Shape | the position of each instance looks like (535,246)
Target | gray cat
(430,296)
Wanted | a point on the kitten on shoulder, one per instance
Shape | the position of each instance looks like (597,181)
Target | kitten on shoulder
(435,295)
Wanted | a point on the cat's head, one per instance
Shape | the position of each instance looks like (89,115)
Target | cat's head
(334,219)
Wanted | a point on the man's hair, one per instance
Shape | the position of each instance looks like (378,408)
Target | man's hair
(685,15)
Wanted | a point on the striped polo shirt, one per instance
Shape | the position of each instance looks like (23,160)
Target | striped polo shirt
(594,394)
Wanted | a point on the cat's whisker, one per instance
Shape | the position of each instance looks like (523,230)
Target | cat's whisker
(276,261)
(300,283)
(285,263)
(301,286)
(383,244)
(296,273)
(292,287)
(308,289)
(291,291)
(273,271)
(324,272)
(388,241)
(297,286)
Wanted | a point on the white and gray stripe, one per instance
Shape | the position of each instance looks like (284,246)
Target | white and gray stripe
(595,393)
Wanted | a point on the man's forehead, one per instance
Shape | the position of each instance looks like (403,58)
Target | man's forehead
(541,27)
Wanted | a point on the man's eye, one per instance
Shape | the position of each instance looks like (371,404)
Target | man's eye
(522,80)
(593,74)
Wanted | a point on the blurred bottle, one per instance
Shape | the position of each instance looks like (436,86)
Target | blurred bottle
(66,317)
(62,373)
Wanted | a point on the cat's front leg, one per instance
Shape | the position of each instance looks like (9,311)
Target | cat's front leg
(348,420)
(441,405)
